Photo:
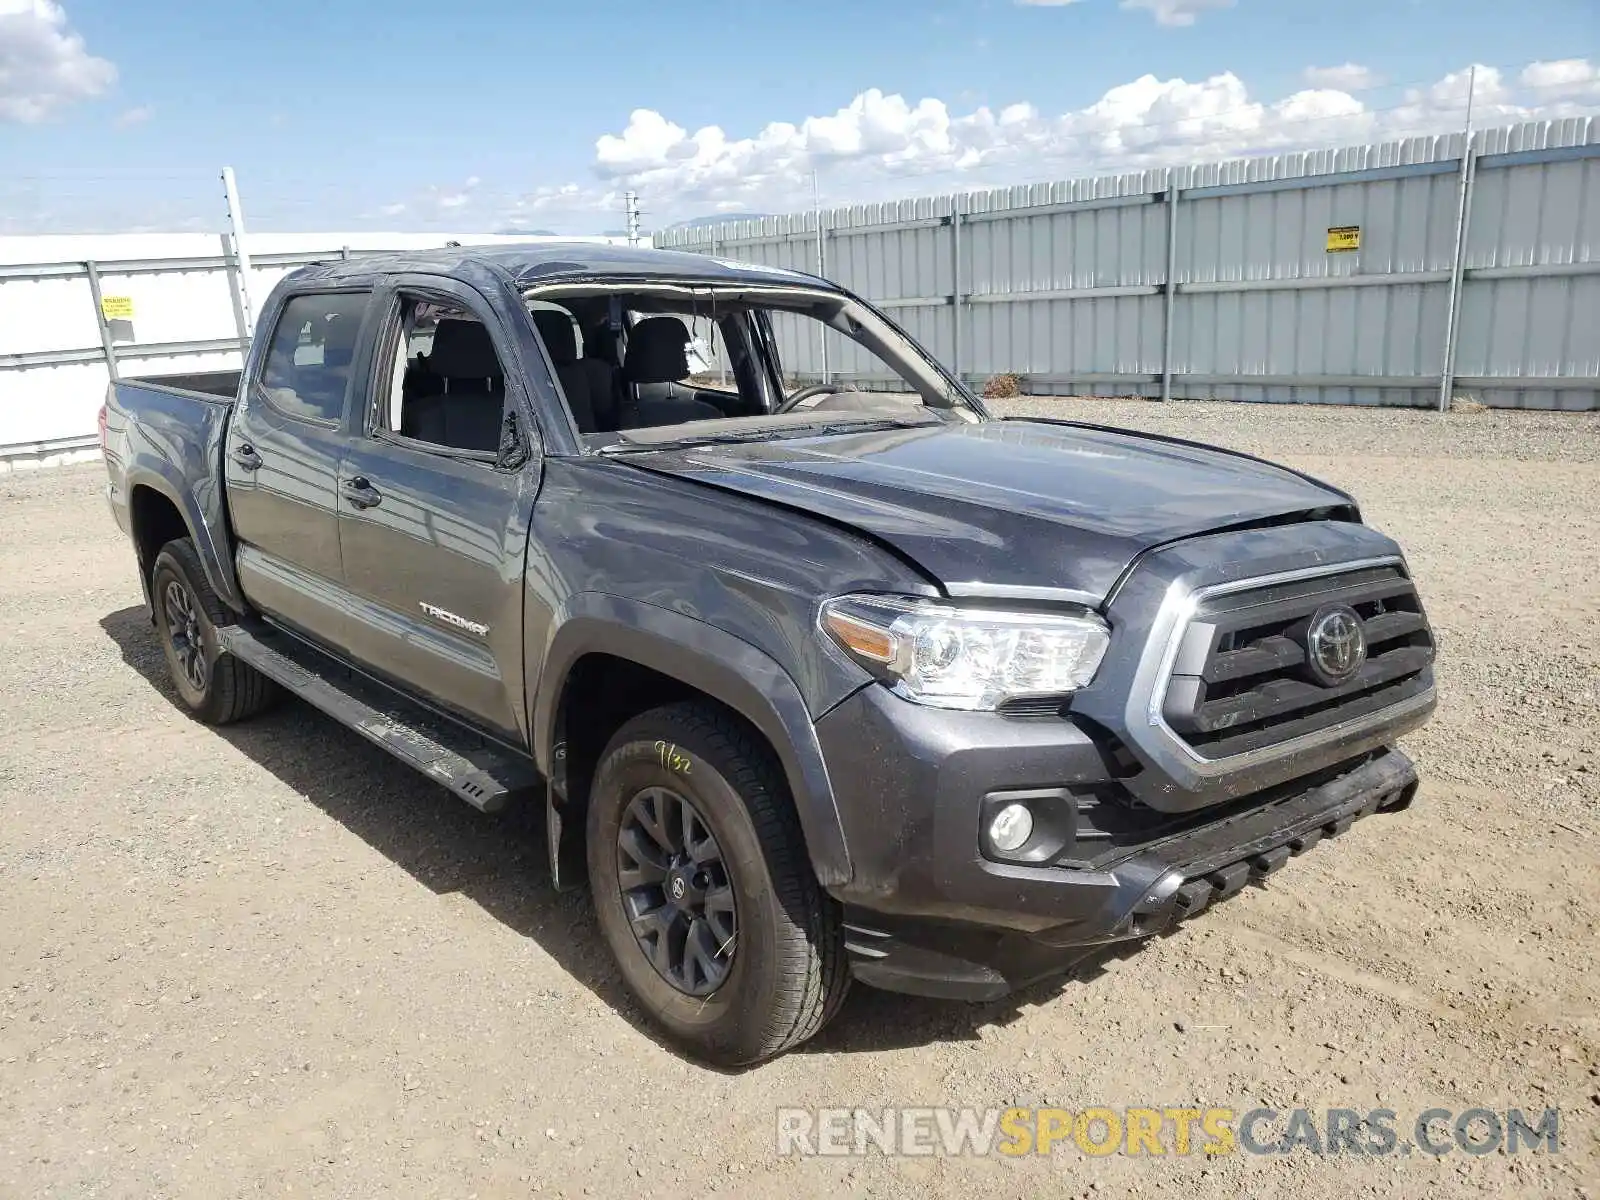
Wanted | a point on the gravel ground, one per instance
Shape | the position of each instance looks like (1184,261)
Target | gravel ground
(270,960)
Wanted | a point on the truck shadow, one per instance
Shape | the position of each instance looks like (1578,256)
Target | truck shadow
(499,862)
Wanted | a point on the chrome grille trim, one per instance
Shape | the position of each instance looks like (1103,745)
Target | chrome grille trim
(1178,611)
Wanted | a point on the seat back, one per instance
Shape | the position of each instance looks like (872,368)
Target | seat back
(561,344)
(468,412)
(656,351)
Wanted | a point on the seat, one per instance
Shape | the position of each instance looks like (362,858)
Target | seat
(561,344)
(656,365)
(468,412)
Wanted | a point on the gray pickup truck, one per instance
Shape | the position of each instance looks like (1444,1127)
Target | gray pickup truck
(817,679)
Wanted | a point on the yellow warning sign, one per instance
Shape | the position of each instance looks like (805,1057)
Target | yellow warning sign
(1344,237)
(117,308)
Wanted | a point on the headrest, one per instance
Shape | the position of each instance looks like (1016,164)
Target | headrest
(560,339)
(655,351)
(463,350)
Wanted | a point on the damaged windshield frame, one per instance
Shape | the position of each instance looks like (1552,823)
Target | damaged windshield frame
(943,398)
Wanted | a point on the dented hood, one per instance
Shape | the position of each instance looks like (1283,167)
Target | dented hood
(1009,505)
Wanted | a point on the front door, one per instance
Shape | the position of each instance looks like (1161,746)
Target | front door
(281,462)
(433,512)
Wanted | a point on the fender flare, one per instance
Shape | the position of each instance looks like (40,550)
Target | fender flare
(161,477)
(724,667)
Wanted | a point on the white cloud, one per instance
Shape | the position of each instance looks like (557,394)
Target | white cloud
(391,210)
(882,146)
(1177,12)
(130,117)
(1348,77)
(44,65)
(455,198)
(1047,3)
(1575,77)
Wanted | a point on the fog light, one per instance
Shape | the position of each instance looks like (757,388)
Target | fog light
(1011,828)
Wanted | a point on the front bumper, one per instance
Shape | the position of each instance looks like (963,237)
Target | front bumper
(928,913)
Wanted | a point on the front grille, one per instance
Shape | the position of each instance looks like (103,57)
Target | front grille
(1241,679)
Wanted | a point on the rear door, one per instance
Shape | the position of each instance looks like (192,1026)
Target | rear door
(281,461)
(433,513)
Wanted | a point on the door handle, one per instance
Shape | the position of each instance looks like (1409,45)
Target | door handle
(361,493)
(245,455)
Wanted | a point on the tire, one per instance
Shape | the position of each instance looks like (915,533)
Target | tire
(214,685)
(785,973)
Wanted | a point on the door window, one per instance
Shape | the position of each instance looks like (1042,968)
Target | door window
(446,385)
(307,367)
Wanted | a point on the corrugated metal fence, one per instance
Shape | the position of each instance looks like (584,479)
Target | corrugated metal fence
(1322,277)
(68,326)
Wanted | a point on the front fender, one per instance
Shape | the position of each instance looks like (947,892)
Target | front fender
(724,667)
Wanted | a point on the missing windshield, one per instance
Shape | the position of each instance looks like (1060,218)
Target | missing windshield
(642,364)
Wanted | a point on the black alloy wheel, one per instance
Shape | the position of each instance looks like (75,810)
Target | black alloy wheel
(213,684)
(181,611)
(676,891)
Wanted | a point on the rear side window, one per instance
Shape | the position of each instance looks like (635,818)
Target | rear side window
(308,361)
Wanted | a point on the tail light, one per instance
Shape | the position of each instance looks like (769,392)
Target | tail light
(102,420)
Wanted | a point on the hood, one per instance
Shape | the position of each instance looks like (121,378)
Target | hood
(1010,506)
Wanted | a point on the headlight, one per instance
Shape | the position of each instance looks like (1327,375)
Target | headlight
(950,656)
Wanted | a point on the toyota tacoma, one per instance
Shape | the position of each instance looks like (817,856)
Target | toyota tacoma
(817,677)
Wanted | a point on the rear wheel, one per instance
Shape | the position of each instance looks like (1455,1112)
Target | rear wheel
(704,890)
(212,683)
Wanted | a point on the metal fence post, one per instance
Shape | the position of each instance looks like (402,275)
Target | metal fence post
(822,270)
(1452,312)
(955,287)
(100,321)
(230,188)
(1171,290)
(241,322)
(722,358)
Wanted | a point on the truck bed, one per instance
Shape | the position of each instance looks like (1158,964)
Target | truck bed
(164,434)
(215,384)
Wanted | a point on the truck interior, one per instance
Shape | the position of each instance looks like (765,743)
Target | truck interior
(632,359)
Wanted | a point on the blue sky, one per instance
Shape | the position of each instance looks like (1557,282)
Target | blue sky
(357,114)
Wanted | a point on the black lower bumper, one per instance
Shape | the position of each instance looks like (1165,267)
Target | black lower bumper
(950,923)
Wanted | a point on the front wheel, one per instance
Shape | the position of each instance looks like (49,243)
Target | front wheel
(704,890)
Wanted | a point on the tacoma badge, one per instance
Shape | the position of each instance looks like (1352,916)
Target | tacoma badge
(450,618)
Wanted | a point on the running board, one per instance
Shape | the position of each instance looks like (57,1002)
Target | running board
(485,775)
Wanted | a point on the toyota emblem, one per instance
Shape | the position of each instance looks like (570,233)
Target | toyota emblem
(1336,645)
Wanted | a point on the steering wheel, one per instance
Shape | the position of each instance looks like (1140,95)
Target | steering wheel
(806,393)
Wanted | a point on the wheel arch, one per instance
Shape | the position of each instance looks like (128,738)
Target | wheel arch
(665,656)
(158,511)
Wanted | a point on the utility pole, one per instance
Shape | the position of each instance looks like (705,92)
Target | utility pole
(1452,319)
(631,200)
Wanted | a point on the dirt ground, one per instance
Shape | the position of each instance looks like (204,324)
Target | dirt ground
(269,960)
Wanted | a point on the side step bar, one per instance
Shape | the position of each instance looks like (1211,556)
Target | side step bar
(485,775)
